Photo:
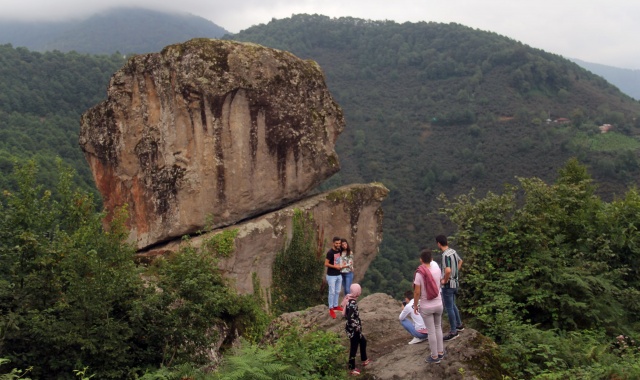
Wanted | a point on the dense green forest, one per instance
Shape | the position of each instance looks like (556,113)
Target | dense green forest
(42,98)
(430,108)
(442,108)
(552,277)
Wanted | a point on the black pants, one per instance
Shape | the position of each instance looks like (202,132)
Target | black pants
(357,340)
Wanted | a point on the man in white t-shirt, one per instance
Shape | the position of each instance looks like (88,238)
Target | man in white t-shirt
(414,325)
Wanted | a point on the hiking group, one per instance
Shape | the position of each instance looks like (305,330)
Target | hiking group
(434,290)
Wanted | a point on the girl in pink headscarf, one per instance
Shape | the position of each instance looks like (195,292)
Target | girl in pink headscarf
(354,329)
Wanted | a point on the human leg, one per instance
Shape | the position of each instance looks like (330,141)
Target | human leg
(456,312)
(429,321)
(337,291)
(448,296)
(347,280)
(363,348)
(332,282)
(353,349)
(409,326)
(437,319)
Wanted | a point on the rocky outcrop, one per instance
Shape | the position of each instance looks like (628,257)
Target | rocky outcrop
(470,356)
(210,132)
(353,212)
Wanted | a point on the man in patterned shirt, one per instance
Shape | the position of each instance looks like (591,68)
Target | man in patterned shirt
(451,264)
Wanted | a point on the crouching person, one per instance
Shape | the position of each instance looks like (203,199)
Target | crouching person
(411,322)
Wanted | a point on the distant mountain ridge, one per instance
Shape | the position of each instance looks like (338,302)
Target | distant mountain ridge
(627,80)
(124,30)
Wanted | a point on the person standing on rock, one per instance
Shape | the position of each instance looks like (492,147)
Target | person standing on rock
(414,325)
(427,301)
(346,261)
(353,328)
(451,264)
(334,278)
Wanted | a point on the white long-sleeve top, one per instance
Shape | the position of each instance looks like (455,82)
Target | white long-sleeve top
(418,323)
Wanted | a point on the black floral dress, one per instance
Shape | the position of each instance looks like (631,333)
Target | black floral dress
(353,325)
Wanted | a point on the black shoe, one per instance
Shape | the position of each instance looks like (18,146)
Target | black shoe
(450,336)
(431,360)
(460,328)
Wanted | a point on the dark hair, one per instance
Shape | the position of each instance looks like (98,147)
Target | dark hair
(348,245)
(335,239)
(425,255)
(442,240)
(408,294)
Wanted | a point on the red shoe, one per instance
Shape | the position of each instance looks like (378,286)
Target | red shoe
(366,362)
(338,308)
(332,313)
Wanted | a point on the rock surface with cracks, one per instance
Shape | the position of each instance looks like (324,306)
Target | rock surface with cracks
(209,132)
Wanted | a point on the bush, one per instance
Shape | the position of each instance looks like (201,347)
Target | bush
(71,297)
(298,269)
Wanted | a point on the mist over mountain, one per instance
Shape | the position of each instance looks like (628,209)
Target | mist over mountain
(124,30)
(627,80)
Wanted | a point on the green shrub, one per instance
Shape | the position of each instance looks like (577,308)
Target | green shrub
(72,298)
(298,269)
(297,354)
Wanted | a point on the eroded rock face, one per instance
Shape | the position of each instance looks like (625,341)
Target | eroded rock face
(210,132)
(353,212)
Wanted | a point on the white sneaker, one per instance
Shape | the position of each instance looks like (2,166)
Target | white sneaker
(416,340)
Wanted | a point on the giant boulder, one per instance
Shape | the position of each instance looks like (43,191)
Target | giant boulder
(209,133)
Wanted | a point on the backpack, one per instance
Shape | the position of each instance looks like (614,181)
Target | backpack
(433,290)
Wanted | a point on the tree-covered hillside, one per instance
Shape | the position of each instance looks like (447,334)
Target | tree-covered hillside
(431,108)
(442,108)
(42,98)
(124,30)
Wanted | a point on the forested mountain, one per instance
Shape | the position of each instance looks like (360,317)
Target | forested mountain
(442,108)
(124,30)
(42,98)
(431,108)
(551,268)
(627,80)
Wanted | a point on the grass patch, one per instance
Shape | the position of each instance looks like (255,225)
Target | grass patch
(613,142)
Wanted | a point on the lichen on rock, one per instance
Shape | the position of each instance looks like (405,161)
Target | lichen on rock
(210,127)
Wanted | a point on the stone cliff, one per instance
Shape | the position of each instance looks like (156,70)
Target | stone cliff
(210,132)
(352,212)
(218,136)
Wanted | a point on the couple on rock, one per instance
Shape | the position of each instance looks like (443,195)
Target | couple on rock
(339,263)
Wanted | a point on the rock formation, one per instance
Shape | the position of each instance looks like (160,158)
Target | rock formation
(223,136)
(353,212)
(470,356)
(210,132)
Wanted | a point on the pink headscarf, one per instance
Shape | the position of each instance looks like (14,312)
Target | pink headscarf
(354,292)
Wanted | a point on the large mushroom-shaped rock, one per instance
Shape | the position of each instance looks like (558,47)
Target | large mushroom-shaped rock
(353,212)
(209,132)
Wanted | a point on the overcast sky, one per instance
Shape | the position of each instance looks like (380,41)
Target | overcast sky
(598,31)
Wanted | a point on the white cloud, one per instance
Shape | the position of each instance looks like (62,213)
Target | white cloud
(600,31)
